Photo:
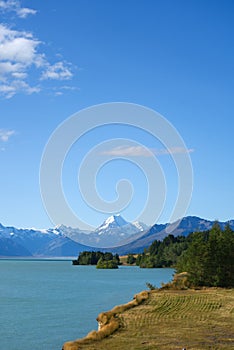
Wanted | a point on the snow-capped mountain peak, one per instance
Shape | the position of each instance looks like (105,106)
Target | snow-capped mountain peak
(116,229)
(112,222)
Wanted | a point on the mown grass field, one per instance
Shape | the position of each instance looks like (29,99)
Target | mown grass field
(201,319)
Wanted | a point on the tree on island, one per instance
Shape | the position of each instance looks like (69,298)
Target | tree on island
(88,258)
(107,264)
(102,260)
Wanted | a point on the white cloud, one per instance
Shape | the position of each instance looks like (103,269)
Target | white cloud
(7,90)
(19,55)
(174,150)
(5,135)
(19,47)
(14,6)
(131,151)
(16,86)
(58,71)
(62,89)
(24,12)
(58,93)
(67,87)
(9,68)
(140,151)
(19,75)
(24,67)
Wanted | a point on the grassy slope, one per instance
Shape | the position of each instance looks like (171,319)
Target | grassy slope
(202,319)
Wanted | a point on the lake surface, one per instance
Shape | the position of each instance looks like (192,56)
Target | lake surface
(45,303)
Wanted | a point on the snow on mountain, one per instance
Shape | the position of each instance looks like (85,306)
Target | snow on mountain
(75,234)
(117,221)
(8,232)
(113,231)
(68,230)
(115,234)
(140,225)
(34,241)
(30,239)
(112,222)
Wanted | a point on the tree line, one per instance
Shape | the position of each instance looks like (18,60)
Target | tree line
(207,256)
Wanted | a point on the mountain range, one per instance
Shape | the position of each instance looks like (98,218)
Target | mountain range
(115,235)
(113,231)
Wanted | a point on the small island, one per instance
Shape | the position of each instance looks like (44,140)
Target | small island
(101,260)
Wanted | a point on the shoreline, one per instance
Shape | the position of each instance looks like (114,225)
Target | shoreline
(170,319)
(108,322)
(35,258)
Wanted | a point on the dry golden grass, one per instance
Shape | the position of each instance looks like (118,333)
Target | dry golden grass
(108,321)
(174,319)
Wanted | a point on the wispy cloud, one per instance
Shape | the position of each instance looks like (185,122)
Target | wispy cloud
(16,86)
(63,89)
(174,150)
(5,135)
(140,151)
(131,151)
(24,67)
(15,7)
(58,71)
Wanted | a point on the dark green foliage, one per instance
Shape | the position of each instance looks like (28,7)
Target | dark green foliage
(163,253)
(107,264)
(108,256)
(207,256)
(140,258)
(92,258)
(116,259)
(108,261)
(131,259)
(209,259)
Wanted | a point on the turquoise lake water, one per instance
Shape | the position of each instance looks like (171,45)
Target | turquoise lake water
(45,303)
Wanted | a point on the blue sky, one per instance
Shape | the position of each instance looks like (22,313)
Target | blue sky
(57,58)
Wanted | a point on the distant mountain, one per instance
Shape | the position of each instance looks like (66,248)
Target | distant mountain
(75,234)
(114,221)
(10,248)
(184,227)
(114,230)
(110,233)
(63,240)
(115,235)
(62,246)
(30,239)
(38,243)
